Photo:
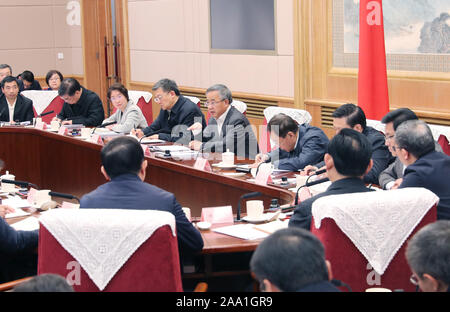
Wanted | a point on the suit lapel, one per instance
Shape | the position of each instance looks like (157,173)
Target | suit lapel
(225,122)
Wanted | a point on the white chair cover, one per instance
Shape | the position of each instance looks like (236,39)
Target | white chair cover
(41,98)
(102,240)
(240,106)
(136,95)
(438,130)
(193,99)
(299,115)
(376,124)
(378,223)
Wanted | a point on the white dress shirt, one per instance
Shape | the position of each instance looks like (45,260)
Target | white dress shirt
(221,120)
(11,110)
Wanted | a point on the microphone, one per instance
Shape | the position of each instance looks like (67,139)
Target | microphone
(319,172)
(307,184)
(20,183)
(151,133)
(62,195)
(245,196)
(104,125)
(47,113)
(107,124)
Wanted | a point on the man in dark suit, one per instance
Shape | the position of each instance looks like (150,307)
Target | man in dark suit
(228,129)
(292,260)
(5,71)
(415,147)
(124,166)
(347,161)
(13,106)
(299,145)
(29,83)
(392,176)
(81,106)
(353,117)
(177,114)
(17,249)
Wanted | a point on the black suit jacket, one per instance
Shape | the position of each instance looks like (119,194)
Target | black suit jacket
(432,172)
(17,252)
(127,191)
(236,135)
(183,114)
(87,111)
(23,110)
(302,213)
(380,155)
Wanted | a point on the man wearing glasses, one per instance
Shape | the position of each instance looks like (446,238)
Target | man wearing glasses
(415,147)
(81,106)
(392,176)
(428,255)
(176,115)
(228,129)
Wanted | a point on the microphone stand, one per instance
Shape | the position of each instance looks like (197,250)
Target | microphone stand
(245,196)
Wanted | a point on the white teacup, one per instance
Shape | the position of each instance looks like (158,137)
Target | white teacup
(228,158)
(7,187)
(187,212)
(255,209)
(86,132)
(54,125)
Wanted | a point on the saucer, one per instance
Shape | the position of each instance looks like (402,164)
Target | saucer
(224,166)
(204,225)
(261,219)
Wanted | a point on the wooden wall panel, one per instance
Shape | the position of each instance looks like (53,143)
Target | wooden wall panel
(424,92)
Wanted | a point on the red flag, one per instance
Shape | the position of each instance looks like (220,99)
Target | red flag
(373,95)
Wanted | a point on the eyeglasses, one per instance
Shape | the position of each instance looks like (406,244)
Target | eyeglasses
(158,98)
(396,148)
(414,280)
(390,137)
(212,103)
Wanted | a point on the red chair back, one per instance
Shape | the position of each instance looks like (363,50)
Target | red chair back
(264,138)
(154,266)
(351,267)
(56,106)
(443,142)
(146,108)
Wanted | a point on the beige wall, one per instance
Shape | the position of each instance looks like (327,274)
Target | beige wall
(170,38)
(34,32)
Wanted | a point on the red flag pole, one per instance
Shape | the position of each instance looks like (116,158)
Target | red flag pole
(373,96)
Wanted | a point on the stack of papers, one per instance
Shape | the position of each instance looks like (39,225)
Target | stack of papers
(151,141)
(244,231)
(29,224)
(18,213)
(16,202)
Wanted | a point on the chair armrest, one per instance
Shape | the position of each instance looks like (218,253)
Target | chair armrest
(12,284)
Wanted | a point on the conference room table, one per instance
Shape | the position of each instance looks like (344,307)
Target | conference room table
(66,164)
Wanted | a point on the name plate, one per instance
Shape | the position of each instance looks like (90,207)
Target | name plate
(146,150)
(63,131)
(202,164)
(217,215)
(263,177)
(95,138)
(40,125)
